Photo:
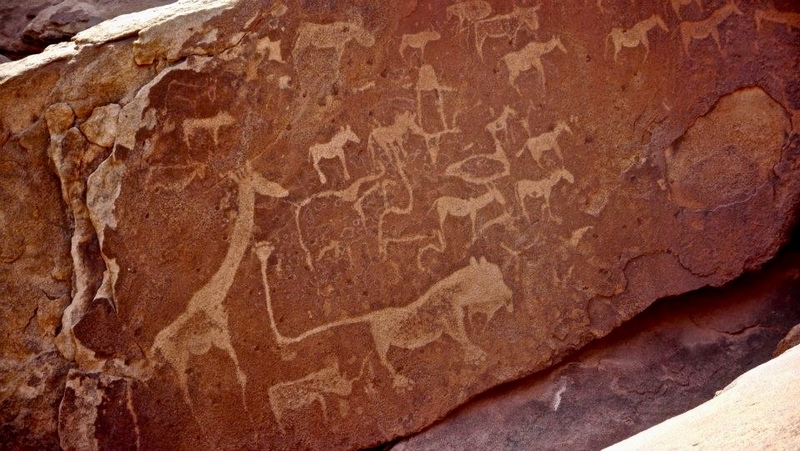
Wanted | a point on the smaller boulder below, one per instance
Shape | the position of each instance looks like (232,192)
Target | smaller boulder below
(758,410)
(791,340)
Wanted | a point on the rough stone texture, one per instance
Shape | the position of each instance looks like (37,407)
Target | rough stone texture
(326,225)
(791,340)
(29,26)
(673,357)
(760,406)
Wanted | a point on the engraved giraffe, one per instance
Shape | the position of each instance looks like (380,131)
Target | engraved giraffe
(636,35)
(538,145)
(529,57)
(418,41)
(678,4)
(477,288)
(204,323)
(541,189)
(707,27)
(506,25)
(333,149)
(300,393)
(469,11)
(790,19)
(458,207)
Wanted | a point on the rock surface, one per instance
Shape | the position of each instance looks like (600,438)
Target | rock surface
(326,225)
(671,358)
(760,406)
(31,25)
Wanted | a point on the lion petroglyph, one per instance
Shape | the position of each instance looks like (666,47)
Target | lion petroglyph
(458,207)
(636,35)
(418,41)
(204,323)
(541,189)
(506,25)
(790,19)
(333,149)
(304,392)
(538,145)
(530,57)
(478,288)
(707,27)
(469,11)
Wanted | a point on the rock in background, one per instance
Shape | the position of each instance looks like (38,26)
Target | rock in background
(29,26)
(257,224)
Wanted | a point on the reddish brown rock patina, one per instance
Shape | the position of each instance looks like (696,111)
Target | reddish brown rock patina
(327,226)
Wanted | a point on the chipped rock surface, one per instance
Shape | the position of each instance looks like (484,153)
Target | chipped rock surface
(325,225)
(671,358)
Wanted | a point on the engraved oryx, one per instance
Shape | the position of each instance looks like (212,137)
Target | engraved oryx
(333,149)
(707,27)
(529,57)
(636,35)
(541,189)
(418,41)
(441,310)
(538,145)
(456,206)
(506,25)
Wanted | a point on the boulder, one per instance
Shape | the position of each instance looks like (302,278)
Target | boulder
(758,410)
(326,225)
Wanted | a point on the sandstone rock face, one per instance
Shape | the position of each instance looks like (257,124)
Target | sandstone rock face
(326,225)
(29,26)
(761,406)
(671,358)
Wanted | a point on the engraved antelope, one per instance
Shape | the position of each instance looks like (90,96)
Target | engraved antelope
(458,207)
(790,19)
(538,145)
(469,11)
(501,123)
(297,394)
(541,189)
(636,35)
(334,36)
(707,27)
(418,41)
(529,57)
(476,288)
(506,25)
(333,149)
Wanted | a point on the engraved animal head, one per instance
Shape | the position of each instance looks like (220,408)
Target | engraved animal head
(731,8)
(564,175)
(557,41)
(655,18)
(563,126)
(528,16)
(347,133)
(484,290)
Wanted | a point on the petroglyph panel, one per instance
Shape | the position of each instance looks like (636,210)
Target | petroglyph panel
(322,217)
